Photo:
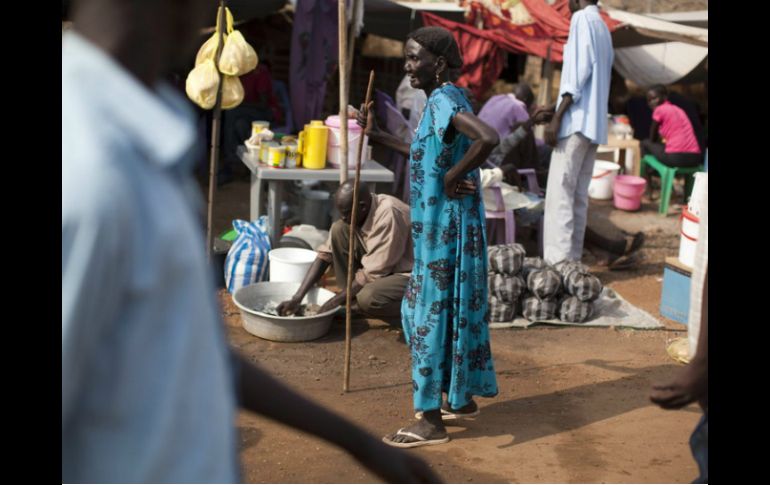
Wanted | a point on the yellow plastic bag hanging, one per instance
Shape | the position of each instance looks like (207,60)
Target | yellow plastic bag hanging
(232,92)
(202,84)
(238,57)
(209,48)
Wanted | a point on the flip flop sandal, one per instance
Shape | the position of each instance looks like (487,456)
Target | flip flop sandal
(419,440)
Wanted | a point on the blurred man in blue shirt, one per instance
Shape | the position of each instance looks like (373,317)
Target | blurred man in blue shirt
(149,385)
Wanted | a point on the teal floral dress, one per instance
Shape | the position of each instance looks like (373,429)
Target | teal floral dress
(444,310)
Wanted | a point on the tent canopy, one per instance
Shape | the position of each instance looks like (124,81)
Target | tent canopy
(684,60)
(394,20)
(696,18)
(639,29)
(241,9)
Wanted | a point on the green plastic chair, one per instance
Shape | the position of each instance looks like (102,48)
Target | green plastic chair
(667,175)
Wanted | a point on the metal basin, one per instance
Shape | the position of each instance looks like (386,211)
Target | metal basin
(282,329)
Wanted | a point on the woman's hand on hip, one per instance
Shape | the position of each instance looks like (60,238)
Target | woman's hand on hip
(457,189)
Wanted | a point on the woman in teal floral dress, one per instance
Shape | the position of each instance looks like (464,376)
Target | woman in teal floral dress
(444,311)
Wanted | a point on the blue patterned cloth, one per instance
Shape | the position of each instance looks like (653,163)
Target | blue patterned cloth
(445,307)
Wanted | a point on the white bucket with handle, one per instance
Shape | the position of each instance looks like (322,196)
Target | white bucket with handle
(290,264)
(696,198)
(602,180)
(689,237)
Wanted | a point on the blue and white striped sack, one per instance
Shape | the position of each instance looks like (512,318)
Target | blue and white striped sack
(247,260)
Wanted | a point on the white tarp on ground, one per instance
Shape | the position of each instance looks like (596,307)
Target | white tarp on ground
(610,310)
(664,63)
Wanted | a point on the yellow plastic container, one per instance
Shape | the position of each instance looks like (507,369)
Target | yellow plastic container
(276,156)
(291,155)
(314,139)
(258,127)
(264,154)
(301,145)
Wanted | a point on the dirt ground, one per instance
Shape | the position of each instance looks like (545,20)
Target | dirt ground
(572,407)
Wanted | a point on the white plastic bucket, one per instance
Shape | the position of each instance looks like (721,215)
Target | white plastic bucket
(290,264)
(602,180)
(696,198)
(689,237)
(333,152)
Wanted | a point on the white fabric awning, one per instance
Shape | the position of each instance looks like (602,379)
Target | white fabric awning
(663,63)
(661,29)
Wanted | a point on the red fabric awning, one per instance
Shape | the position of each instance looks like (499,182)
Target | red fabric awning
(482,50)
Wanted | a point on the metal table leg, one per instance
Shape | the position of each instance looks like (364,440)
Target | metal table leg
(255,198)
(274,197)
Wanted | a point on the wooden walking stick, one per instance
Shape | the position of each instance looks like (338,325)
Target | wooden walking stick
(353,216)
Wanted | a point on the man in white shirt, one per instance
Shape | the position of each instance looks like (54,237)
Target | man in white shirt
(577,128)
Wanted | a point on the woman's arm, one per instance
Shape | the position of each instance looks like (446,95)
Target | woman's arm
(654,130)
(378,136)
(484,140)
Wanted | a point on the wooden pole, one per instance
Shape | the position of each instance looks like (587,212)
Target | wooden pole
(546,81)
(357,4)
(342,54)
(351,236)
(216,125)
(548,75)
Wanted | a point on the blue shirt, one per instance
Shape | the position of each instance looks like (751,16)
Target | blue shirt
(147,389)
(586,76)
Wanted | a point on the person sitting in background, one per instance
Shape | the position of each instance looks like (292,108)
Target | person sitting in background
(505,113)
(506,158)
(681,148)
(382,256)
(528,206)
(640,115)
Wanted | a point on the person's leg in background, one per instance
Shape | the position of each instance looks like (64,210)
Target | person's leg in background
(594,238)
(621,246)
(657,150)
(683,159)
(699,445)
(340,233)
(559,219)
(382,298)
(544,162)
(581,199)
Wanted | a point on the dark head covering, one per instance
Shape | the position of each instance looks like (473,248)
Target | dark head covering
(439,42)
